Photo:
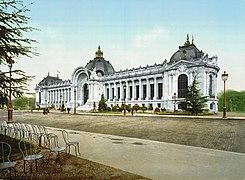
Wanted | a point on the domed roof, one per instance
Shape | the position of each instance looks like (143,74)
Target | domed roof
(103,67)
(49,80)
(186,52)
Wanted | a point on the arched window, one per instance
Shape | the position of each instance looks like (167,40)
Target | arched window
(182,85)
(210,90)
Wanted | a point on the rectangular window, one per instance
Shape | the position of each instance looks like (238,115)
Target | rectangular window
(107,93)
(137,92)
(39,97)
(159,91)
(118,93)
(48,96)
(130,92)
(152,91)
(144,91)
(112,92)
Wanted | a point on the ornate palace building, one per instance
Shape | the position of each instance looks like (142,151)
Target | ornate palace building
(160,85)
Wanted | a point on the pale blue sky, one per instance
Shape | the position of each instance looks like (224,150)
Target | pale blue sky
(135,33)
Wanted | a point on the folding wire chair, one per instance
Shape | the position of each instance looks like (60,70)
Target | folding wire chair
(54,146)
(5,163)
(37,135)
(17,130)
(70,143)
(29,153)
(45,134)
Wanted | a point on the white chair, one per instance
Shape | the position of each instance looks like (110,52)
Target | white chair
(5,163)
(4,127)
(70,143)
(29,132)
(54,146)
(17,130)
(29,152)
(37,135)
(25,130)
(44,134)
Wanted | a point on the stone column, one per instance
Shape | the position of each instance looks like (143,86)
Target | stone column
(63,96)
(147,89)
(163,86)
(54,99)
(191,78)
(133,90)
(121,91)
(169,85)
(109,98)
(127,90)
(140,89)
(48,96)
(69,95)
(215,86)
(66,95)
(174,84)
(58,95)
(155,88)
(115,91)
(92,92)
(205,83)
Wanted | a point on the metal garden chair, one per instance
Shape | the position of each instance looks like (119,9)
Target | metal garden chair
(37,135)
(70,143)
(17,130)
(29,153)
(5,163)
(44,134)
(54,146)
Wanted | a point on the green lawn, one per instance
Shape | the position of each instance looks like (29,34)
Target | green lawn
(15,151)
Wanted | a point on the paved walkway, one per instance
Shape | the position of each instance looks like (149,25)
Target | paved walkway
(158,160)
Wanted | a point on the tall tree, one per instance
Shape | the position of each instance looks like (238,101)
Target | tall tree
(195,102)
(235,101)
(24,103)
(13,45)
(102,104)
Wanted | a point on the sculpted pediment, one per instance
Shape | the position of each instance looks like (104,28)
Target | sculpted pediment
(182,65)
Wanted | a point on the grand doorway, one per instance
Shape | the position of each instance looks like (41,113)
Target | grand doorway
(182,86)
(85,93)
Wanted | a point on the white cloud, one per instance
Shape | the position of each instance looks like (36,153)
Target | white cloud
(51,32)
(155,36)
(148,48)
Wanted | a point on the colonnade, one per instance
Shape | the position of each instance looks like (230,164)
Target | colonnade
(135,89)
(59,95)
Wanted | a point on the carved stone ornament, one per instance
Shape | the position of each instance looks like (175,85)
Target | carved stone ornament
(182,68)
(93,74)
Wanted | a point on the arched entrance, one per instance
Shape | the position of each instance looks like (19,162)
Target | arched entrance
(85,93)
(182,86)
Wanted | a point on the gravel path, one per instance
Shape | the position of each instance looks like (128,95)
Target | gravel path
(228,135)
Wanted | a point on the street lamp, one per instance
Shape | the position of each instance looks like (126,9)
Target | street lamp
(10,61)
(75,98)
(224,77)
(174,99)
(124,90)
